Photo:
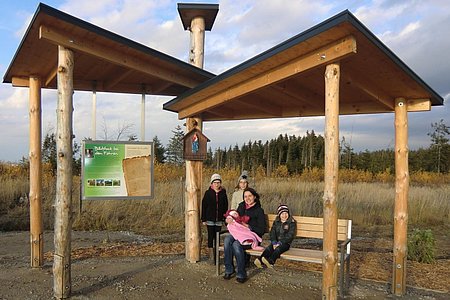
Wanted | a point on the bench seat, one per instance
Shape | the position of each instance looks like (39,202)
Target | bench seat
(308,227)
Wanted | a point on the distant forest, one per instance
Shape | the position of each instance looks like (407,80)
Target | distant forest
(304,152)
(299,153)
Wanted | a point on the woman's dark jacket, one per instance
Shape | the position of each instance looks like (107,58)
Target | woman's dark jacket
(214,205)
(283,232)
(257,220)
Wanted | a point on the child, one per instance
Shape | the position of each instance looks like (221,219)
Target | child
(282,234)
(239,190)
(214,205)
(240,232)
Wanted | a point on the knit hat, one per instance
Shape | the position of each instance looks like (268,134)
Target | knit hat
(215,177)
(244,176)
(282,208)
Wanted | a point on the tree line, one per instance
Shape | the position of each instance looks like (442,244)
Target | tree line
(297,153)
(304,152)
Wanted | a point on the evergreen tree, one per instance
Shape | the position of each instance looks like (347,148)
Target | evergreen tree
(174,152)
(160,151)
(439,142)
(49,154)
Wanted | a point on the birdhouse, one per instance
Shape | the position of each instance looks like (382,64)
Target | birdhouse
(194,145)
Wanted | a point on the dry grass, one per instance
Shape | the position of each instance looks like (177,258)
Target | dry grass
(366,203)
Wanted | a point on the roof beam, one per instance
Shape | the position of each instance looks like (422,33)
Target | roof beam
(300,93)
(261,104)
(329,53)
(364,85)
(113,82)
(72,41)
(20,81)
(419,105)
(49,78)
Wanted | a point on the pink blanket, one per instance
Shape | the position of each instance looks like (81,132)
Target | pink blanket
(244,234)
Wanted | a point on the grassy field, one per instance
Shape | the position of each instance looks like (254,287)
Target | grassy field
(366,203)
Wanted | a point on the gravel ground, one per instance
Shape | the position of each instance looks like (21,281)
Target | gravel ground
(121,265)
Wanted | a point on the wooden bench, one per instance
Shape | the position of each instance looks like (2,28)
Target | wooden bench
(312,228)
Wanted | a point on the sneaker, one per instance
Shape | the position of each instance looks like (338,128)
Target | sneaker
(228,276)
(241,280)
(257,263)
(267,263)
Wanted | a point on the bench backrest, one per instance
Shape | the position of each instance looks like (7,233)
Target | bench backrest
(311,227)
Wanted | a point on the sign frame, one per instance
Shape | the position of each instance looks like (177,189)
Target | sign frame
(102,170)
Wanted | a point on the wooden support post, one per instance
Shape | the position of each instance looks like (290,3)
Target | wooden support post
(94,111)
(36,225)
(196,52)
(401,197)
(193,236)
(63,203)
(330,217)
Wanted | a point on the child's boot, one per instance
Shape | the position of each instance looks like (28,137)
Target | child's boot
(211,256)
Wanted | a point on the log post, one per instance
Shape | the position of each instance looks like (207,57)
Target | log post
(401,197)
(195,15)
(196,52)
(330,217)
(36,224)
(194,169)
(63,203)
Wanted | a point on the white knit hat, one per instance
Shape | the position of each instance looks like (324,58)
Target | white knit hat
(215,177)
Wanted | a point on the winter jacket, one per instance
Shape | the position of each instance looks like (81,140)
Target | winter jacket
(257,220)
(214,205)
(283,232)
(236,199)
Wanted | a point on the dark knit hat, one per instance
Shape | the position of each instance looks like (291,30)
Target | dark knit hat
(283,208)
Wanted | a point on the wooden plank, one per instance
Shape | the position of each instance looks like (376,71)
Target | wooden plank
(50,76)
(364,85)
(117,78)
(72,41)
(20,81)
(332,52)
(419,105)
(260,103)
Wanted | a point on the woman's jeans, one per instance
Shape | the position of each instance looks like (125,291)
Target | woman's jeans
(232,248)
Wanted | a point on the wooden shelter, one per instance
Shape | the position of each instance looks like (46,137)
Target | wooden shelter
(64,52)
(337,67)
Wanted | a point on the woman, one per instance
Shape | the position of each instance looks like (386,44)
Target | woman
(214,206)
(239,190)
(250,207)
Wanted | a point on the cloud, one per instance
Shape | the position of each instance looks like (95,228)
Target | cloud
(417,31)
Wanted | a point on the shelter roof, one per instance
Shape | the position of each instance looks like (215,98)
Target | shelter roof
(189,11)
(288,79)
(103,59)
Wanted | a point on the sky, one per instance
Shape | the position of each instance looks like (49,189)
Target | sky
(418,32)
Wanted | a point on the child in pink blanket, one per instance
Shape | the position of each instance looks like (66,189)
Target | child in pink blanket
(236,227)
